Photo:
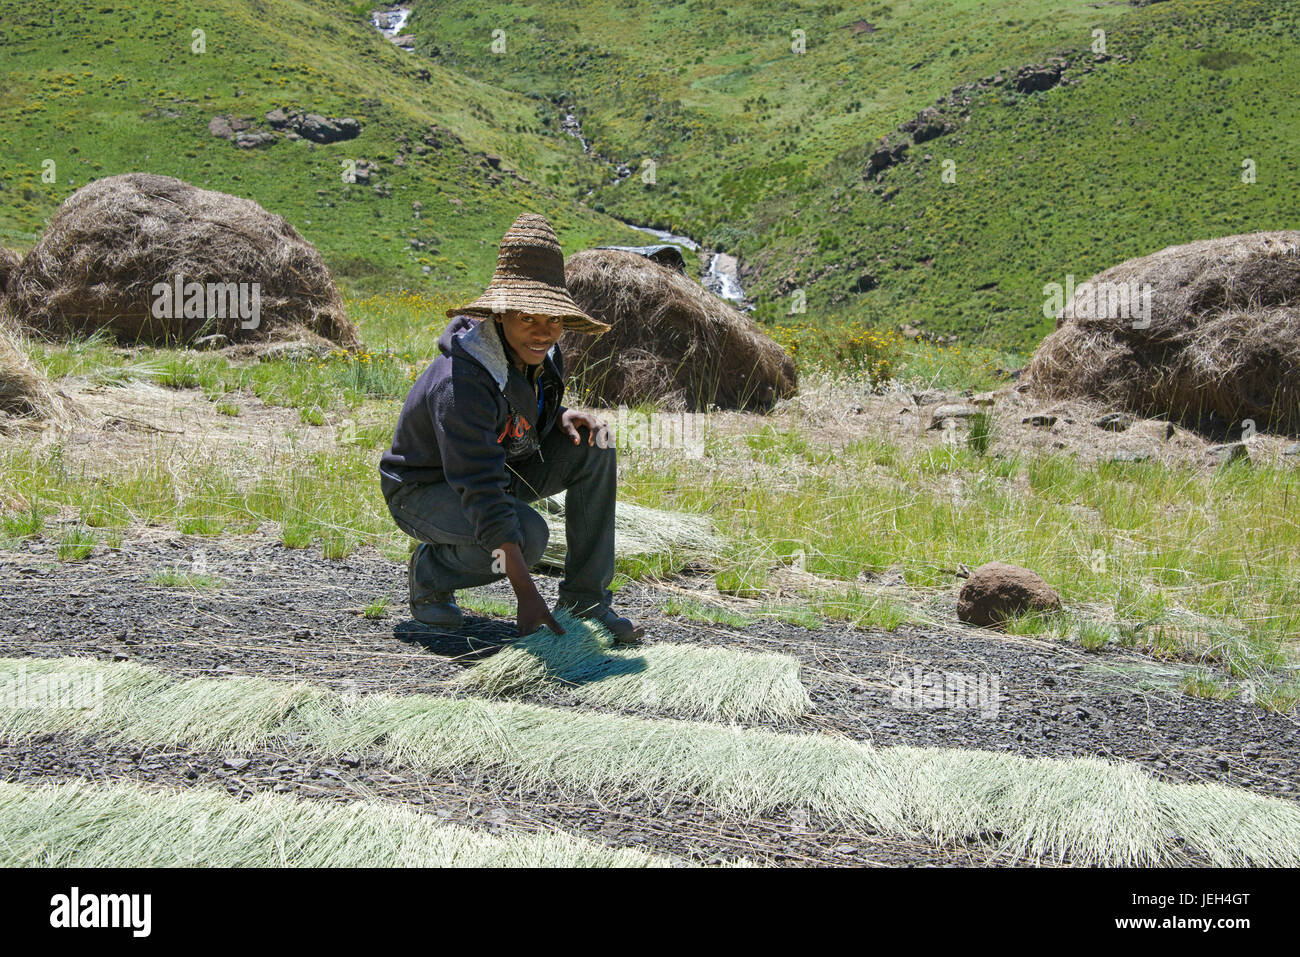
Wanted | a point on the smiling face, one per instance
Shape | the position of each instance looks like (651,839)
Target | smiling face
(531,337)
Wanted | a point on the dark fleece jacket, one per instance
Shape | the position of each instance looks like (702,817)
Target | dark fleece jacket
(469,414)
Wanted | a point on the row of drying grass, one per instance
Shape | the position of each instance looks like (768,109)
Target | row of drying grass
(684,680)
(1081,810)
(80,824)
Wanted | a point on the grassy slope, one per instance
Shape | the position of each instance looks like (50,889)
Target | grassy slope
(91,89)
(760,151)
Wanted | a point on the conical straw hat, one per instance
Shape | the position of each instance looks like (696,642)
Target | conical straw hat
(530,278)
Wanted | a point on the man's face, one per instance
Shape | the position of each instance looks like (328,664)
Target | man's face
(531,337)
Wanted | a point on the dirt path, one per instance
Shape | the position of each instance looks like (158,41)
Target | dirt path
(291,614)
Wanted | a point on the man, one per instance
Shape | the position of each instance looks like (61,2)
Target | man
(483,432)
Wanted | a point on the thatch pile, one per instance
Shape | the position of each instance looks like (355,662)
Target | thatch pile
(25,392)
(9,261)
(672,342)
(649,535)
(1222,335)
(113,241)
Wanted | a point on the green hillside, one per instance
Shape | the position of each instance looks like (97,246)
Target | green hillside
(115,88)
(757,150)
(761,151)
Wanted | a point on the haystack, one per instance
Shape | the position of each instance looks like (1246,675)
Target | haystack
(124,252)
(1221,336)
(9,261)
(672,342)
(25,393)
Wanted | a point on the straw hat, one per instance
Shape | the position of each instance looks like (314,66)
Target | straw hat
(530,278)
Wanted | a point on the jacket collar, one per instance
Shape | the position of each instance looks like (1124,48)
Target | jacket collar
(484,345)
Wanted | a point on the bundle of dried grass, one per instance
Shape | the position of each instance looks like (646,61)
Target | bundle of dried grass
(1221,334)
(26,395)
(672,342)
(9,261)
(114,245)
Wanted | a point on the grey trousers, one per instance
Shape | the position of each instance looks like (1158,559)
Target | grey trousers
(450,557)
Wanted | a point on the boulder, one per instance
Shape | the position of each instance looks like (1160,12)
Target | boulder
(996,591)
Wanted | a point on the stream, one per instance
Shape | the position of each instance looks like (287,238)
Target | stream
(722,275)
(390,21)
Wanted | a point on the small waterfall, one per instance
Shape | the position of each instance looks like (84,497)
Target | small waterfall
(390,22)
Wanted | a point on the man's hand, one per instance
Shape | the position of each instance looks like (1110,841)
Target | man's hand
(533,612)
(597,431)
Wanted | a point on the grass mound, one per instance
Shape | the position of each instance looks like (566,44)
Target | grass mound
(1207,327)
(124,825)
(681,679)
(1083,810)
(9,261)
(235,268)
(25,392)
(672,342)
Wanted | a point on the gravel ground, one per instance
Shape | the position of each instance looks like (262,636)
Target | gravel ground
(287,613)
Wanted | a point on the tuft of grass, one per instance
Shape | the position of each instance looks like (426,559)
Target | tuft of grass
(587,663)
(23,524)
(483,605)
(1029,623)
(1093,635)
(80,824)
(378,609)
(697,610)
(742,580)
(175,578)
(799,615)
(1203,684)
(860,609)
(76,543)
(980,436)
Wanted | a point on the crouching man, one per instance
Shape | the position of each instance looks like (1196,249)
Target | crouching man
(483,432)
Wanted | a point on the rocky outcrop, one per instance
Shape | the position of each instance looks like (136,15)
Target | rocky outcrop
(1036,79)
(929,124)
(289,124)
(888,152)
(313,126)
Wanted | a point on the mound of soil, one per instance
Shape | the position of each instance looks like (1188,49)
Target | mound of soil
(152,259)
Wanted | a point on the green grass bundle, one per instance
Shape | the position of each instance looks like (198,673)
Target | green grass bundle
(45,695)
(644,537)
(674,678)
(1085,811)
(124,825)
